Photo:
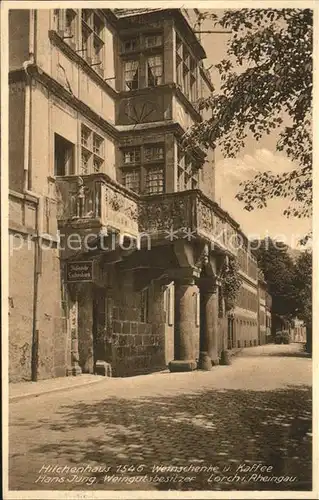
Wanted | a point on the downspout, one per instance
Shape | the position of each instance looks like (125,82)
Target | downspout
(27,186)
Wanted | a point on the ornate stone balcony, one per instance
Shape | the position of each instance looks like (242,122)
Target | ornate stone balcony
(98,201)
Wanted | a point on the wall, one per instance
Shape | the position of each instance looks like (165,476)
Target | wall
(144,106)
(64,68)
(181,114)
(40,130)
(51,323)
(16,135)
(21,282)
(137,347)
(19,37)
(51,320)
(43,46)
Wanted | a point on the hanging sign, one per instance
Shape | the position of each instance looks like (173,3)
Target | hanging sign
(79,271)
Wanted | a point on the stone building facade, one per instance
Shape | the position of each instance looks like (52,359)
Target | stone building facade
(117,245)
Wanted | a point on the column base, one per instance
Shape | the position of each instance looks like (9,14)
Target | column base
(225,358)
(182,365)
(74,371)
(215,361)
(204,362)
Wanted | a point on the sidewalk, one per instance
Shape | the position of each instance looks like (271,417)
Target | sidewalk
(21,390)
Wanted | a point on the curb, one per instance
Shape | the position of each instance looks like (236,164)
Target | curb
(19,397)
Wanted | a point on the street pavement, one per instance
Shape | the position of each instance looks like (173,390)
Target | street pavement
(241,427)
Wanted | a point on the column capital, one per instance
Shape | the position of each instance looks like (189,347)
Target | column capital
(207,284)
(184,275)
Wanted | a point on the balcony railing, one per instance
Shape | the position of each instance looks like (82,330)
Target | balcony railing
(98,199)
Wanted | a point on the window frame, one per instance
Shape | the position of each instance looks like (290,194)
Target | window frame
(70,163)
(152,183)
(144,165)
(87,149)
(125,71)
(186,67)
(141,52)
(148,69)
(88,51)
(187,171)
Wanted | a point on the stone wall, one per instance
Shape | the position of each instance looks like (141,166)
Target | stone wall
(48,317)
(137,346)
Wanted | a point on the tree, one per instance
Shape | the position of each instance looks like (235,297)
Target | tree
(266,84)
(279,270)
(303,284)
(231,284)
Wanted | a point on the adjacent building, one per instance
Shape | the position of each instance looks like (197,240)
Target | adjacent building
(117,245)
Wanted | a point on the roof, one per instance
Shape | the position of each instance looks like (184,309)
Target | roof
(122,14)
(132,12)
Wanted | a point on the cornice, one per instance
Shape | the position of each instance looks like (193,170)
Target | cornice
(151,126)
(58,90)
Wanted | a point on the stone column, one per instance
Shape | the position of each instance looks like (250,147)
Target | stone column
(184,325)
(75,368)
(208,324)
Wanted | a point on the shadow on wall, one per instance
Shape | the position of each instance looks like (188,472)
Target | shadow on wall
(222,428)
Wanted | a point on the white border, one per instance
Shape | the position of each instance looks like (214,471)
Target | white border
(216,4)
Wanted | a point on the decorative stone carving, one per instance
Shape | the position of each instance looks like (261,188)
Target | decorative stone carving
(205,218)
(119,210)
(168,213)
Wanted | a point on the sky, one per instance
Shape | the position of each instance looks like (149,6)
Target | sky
(255,157)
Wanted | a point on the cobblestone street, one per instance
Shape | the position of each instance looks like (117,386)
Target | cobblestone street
(256,411)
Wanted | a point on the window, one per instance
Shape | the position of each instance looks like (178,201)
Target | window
(93,39)
(66,22)
(131,74)
(131,179)
(132,155)
(63,156)
(187,172)
(130,44)
(154,71)
(143,168)
(70,22)
(154,180)
(186,71)
(153,41)
(92,151)
(154,153)
(144,306)
(149,59)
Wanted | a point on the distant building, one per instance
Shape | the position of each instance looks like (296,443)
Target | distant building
(117,245)
(298,331)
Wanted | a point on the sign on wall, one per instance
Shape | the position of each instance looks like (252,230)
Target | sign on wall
(79,271)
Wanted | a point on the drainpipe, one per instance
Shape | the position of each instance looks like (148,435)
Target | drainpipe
(27,190)
(27,112)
